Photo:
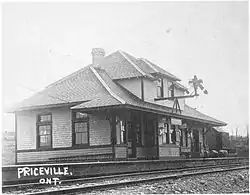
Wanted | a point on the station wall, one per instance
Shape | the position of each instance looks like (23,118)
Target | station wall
(27,151)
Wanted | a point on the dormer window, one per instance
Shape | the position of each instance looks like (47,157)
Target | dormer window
(160,91)
(170,89)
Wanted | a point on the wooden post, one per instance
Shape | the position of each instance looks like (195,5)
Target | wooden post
(142,89)
(134,134)
(157,138)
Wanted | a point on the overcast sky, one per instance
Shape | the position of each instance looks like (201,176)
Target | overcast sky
(44,42)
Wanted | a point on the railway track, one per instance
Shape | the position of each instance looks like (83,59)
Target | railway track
(112,181)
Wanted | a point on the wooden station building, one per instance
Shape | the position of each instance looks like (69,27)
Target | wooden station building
(107,111)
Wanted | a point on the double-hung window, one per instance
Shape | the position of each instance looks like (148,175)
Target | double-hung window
(120,131)
(123,131)
(160,91)
(173,134)
(44,131)
(80,129)
(138,134)
(181,137)
(170,89)
(164,134)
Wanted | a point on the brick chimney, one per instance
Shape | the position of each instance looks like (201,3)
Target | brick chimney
(97,56)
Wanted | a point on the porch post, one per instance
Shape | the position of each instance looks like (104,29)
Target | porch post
(142,129)
(192,140)
(157,138)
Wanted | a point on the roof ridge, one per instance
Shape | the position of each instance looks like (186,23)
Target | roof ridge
(106,86)
(132,63)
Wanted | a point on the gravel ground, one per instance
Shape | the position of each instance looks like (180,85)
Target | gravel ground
(76,184)
(186,185)
(215,183)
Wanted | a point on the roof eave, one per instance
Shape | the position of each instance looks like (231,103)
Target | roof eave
(165,75)
(18,109)
(129,106)
(142,76)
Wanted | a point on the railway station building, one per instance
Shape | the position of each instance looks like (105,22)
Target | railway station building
(107,111)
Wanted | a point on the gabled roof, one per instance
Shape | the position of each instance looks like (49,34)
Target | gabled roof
(130,66)
(78,87)
(157,69)
(132,101)
(149,67)
(118,66)
(121,65)
(96,87)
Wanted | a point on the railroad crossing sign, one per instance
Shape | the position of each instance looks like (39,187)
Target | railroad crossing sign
(195,84)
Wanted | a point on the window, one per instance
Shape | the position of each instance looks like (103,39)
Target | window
(167,133)
(80,129)
(181,137)
(118,130)
(81,133)
(173,134)
(164,134)
(186,136)
(138,133)
(123,131)
(170,89)
(44,129)
(177,134)
(160,92)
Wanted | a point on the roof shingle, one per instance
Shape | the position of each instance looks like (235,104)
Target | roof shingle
(81,86)
(133,100)
(87,89)
(158,69)
(118,67)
